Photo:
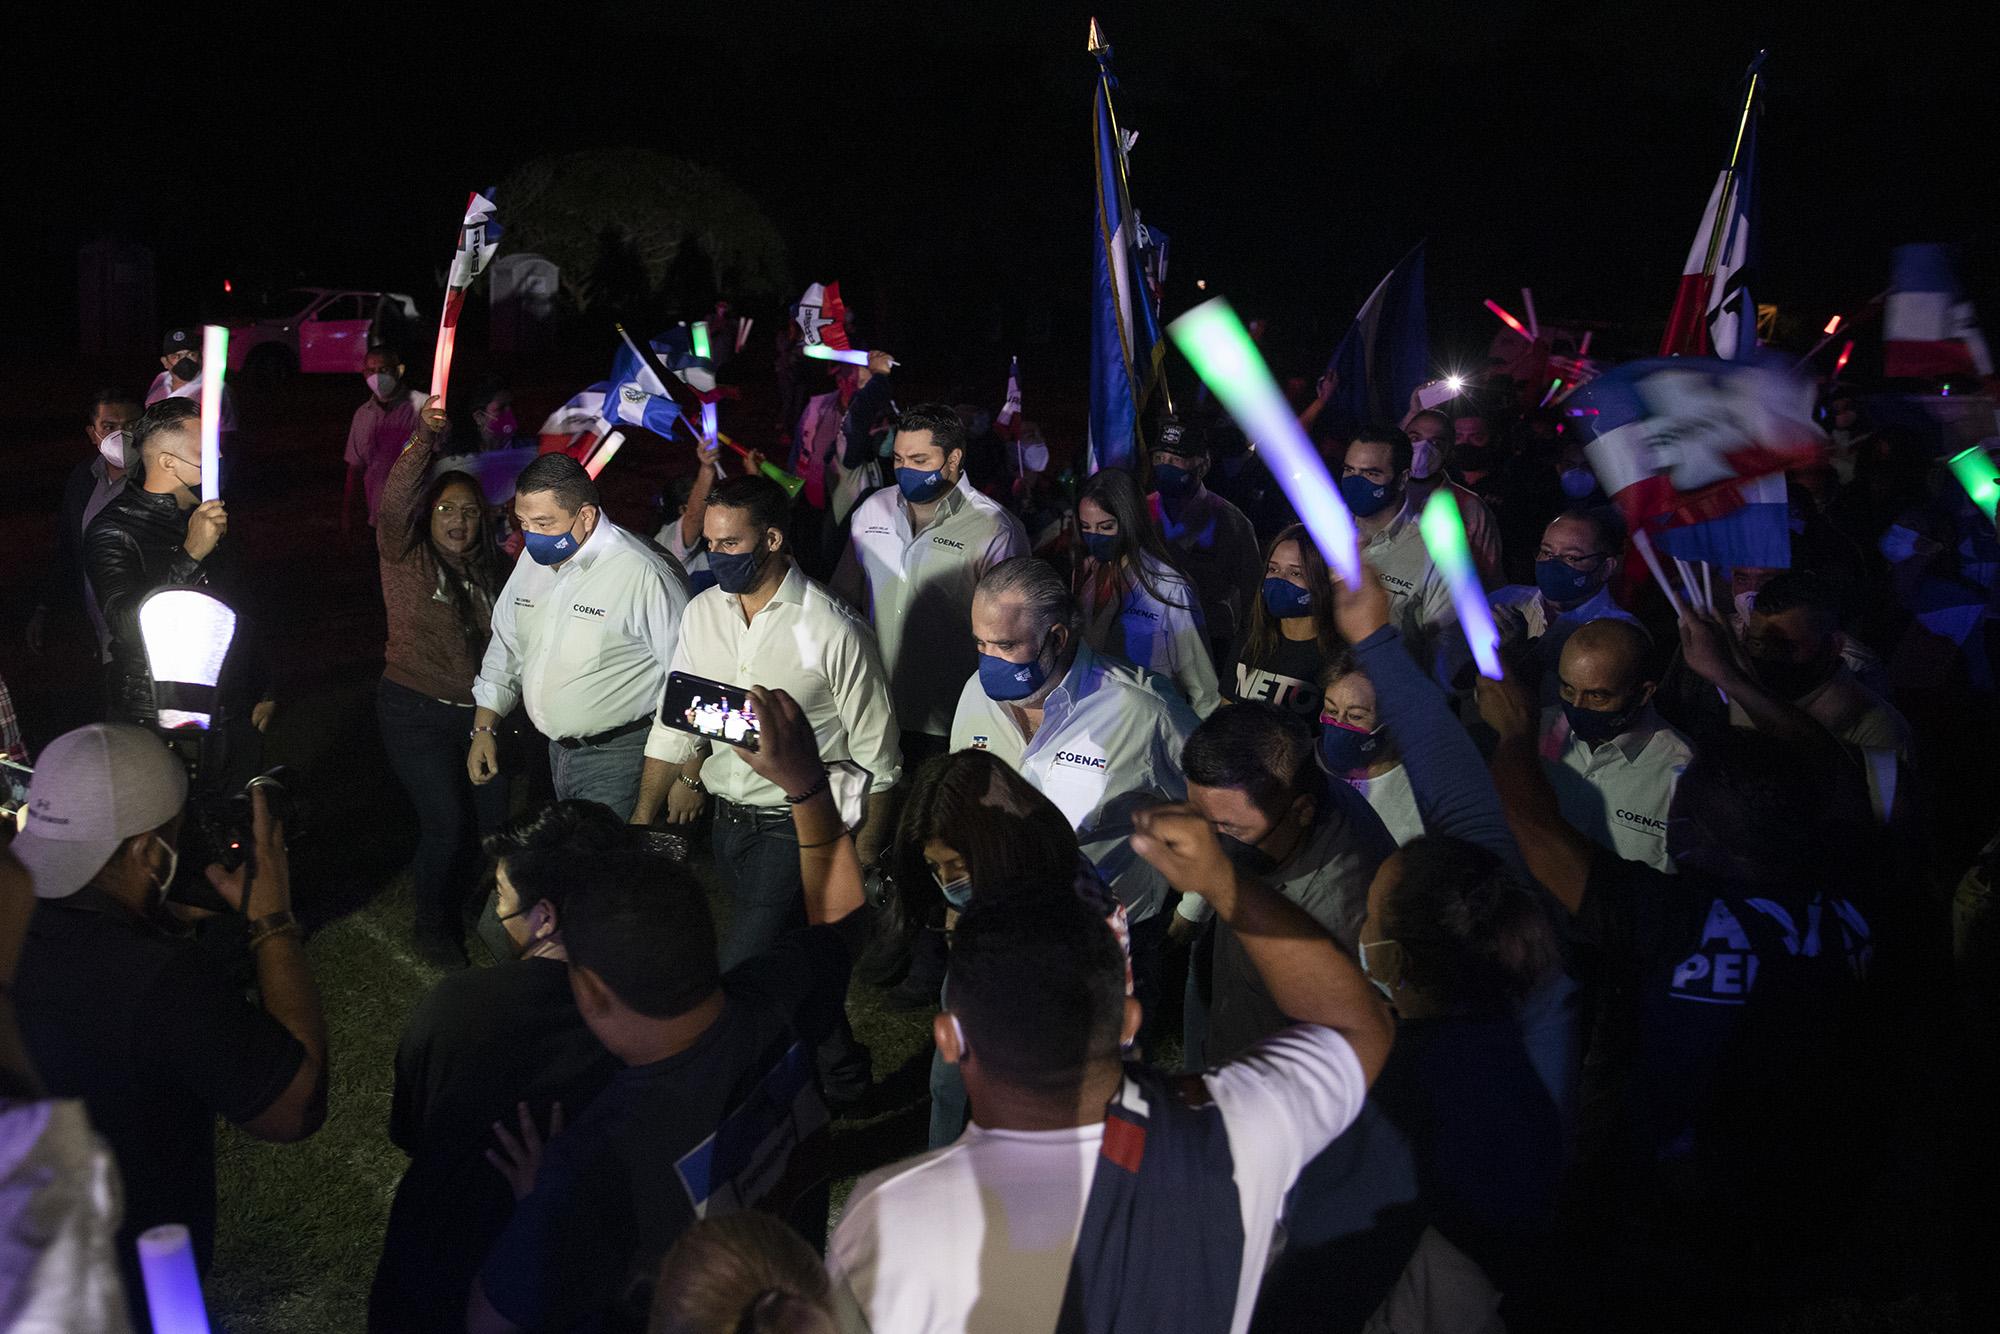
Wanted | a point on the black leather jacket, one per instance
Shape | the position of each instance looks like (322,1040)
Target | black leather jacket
(133,547)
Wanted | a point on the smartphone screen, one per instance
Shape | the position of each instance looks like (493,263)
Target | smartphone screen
(708,708)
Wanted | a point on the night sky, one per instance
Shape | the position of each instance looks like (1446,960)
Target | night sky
(936,159)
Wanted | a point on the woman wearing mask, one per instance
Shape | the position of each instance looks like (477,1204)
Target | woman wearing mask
(1355,748)
(974,825)
(1292,637)
(1137,605)
(440,573)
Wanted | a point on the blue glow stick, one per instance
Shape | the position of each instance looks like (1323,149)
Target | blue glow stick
(853,356)
(1443,530)
(173,1289)
(1214,340)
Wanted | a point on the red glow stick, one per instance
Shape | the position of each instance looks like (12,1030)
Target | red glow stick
(1840,362)
(1509,320)
(1832,327)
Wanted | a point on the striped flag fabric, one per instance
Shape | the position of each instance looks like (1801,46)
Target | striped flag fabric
(1928,326)
(1386,352)
(822,316)
(1127,353)
(1713,312)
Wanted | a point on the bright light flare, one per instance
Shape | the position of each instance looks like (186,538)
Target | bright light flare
(214,364)
(1215,342)
(1455,383)
(1443,530)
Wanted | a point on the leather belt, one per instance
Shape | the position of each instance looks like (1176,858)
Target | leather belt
(611,734)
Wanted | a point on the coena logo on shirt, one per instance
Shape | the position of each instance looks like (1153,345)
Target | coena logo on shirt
(1645,822)
(979,743)
(581,610)
(947,542)
(1081,761)
(1395,585)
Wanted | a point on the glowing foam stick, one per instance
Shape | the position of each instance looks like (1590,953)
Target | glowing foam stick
(853,356)
(1975,472)
(699,341)
(1443,530)
(1555,387)
(743,332)
(1832,327)
(1214,340)
(1528,300)
(607,448)
(214,364)
(447,339)
(698,338)
(1509,320)
(173,1289)
(1840,362)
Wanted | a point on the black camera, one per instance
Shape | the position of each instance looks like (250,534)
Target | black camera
(220,826)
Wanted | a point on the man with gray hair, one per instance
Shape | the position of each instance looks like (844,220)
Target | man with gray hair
(1092,734)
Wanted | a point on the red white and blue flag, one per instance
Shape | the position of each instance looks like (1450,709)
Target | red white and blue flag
(822,317)
(1693,451)
(1928,327)
(478,242)
(1008,421)
(1713,314)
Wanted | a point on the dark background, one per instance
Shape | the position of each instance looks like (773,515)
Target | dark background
(936,159)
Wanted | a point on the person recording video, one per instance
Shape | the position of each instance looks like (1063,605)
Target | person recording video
(122,1005)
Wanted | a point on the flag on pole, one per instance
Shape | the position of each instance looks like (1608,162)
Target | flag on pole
(631,405)
(1928,326)
(581,416)
(1126,350)
(1694,452)
(1009,416)
(1386,353)
(1713,312)
(478,241)
(822,316)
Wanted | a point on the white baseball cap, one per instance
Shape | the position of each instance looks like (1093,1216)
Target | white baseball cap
(93,789)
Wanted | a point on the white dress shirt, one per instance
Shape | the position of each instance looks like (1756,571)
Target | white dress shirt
(915,588)
(1110,743)
(1420,604)
(807,643)
(163,387)
(1169,637)
(584,644)
(1618,792)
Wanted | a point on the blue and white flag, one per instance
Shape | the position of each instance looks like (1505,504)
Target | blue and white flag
(1386,353)
(630,404)
(1126,350)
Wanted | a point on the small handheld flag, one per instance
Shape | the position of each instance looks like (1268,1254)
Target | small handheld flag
(1975,471)
(1011,409)
(478,240)
(1214,340)
(215,361)
(1443,529)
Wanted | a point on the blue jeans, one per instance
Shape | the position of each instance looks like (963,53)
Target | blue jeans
(608,773)
(757,856)
(426,739)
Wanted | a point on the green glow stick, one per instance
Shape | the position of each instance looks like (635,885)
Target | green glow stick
(1215,342)
(700,338)
(1976,472)
(1443,530)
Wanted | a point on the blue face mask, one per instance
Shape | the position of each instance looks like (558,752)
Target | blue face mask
(1363,496)
(1898,544)
(550,548)
(1345,749)
(1578,482)
(1173,483)
(1561,584)
(958,893)
(1003,680)
(737,572)
(1594,727)
(1102,546)
(1283,598)
(921,486)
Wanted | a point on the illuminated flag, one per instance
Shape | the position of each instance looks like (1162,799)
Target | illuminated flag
(1928,327)
(1713,313)
(1694,451)
(821,316)
(1386,352)
(1010,411)
(1126,350)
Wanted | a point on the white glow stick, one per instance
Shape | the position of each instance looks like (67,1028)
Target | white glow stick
(1645,545)
(1528,300)
(214,365)
(853,356)
(1214,340)
(603,454)
(1443,530)
(743,332)
(173,1289)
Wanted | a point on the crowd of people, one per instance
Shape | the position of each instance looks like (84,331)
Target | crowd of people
(1287,974)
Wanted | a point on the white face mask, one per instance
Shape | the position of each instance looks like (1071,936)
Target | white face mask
(165,882)
(1035,456)
(1388,992)
(116,449)
(382,384)
(1425,459)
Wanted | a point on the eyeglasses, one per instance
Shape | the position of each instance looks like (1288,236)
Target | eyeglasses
(454,511)
(1585,563)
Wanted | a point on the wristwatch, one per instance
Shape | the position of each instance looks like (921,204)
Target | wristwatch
(691,783)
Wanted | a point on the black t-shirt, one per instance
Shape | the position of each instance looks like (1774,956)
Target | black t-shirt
(157,1039)
(717,1128)
(1740,1002)
(1287,676)
(480,1043)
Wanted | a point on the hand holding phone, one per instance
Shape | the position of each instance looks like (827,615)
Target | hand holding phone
(711,709)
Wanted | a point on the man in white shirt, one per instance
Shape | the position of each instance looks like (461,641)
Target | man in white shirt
(1213,542)
(915,553)
(582,634)
(1374,480)
(1612,760)
(1096,736)
(1580,555)
(766,624)
(180,358)
(379,430)
(1430,432)
(1090,1185)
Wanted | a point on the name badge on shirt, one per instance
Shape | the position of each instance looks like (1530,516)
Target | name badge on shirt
(528,603)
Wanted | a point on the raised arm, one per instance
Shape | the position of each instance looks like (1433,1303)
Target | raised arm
(1552,849)
(788,756)
(403,488)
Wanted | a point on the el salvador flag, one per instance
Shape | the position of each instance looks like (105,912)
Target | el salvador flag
(631,405)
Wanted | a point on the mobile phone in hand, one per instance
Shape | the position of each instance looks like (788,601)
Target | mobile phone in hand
(710,709)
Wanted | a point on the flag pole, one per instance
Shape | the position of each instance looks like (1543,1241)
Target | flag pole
(1729,176)
(1101,49)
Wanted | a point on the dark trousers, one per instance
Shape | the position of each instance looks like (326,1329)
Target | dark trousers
(757,857)
(427,739)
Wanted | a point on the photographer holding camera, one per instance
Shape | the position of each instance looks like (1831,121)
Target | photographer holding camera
(122,1006)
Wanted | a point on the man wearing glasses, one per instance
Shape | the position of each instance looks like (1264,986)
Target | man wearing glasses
(1575,564)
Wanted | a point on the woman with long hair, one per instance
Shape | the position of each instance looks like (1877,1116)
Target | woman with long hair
(1137,604)
(1292,637)
(440,573)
